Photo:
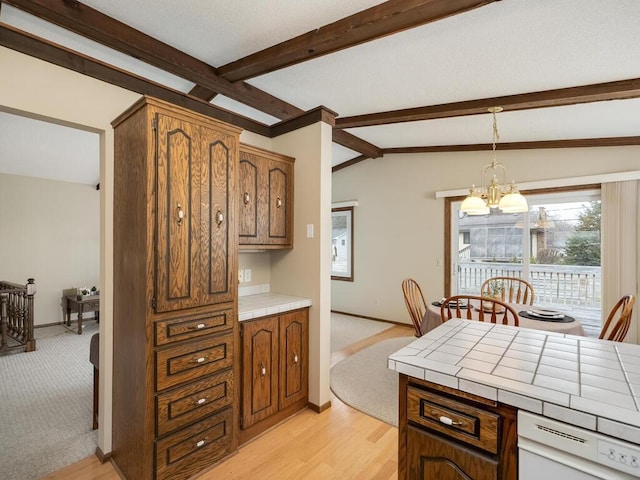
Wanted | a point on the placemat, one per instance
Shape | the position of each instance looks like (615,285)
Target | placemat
(565,319)
(453,305)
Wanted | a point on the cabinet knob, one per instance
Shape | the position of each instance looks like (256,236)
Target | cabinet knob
(219,218)
(448,421)
(278,202)
(295,357)
(246,198)
(199,360)
(263,369)
(202,442)
(199,326)
(200,401)
(180,214)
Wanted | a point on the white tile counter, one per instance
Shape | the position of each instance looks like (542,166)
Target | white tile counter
(586,382)
(263,304)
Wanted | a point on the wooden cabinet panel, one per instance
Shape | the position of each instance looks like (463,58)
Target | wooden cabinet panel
(431,457)
(218,222)
(266,198)
(192,326)
(294,371)
(190,450)
(174,307)
(279,178)
(260,370)
(447,434)
(248,187)
(188,361)
(178,214)
(469,424)
(184,405)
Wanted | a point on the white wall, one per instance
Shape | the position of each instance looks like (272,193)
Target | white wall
(49,231)
(305,270)
(44,90)
(399,224)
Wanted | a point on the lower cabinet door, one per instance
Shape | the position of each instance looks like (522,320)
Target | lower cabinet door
(259,370)
(430,457)
(186,452)
(294,341)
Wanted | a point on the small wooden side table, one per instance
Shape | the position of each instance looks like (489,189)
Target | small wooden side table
(89,303)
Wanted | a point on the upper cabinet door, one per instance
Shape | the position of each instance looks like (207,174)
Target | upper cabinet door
(196,211)
(178,214)
(266,199)
(218,216)
(279,187)
(248,217)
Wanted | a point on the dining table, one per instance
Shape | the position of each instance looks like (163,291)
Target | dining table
(560,324)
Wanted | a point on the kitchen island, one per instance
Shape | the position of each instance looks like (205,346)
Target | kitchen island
(584,382)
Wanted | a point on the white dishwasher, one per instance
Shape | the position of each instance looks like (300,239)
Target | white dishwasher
(550,450)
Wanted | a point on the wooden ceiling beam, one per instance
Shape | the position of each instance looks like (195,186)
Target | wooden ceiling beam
(598,92)
(537,145)
(348,163)
(23,42)
(381,20)
(203,93)
(92,24)
(356,144)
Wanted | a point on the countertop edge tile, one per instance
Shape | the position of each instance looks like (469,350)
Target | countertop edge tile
(619,430)
(523,402)
(270,303)
(567,415)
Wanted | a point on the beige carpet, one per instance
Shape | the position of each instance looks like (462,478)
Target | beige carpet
(364,382)
(346,330)
(46,401)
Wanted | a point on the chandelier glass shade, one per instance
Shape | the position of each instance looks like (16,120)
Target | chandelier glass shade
(494,191)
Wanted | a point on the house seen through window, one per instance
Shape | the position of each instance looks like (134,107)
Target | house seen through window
(555,246)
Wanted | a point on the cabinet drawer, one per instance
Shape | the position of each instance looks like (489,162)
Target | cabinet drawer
(185,405)
(184,328)
(187,452)
(457,420)
(189,361)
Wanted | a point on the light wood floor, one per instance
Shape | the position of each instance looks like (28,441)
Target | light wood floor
(338,443)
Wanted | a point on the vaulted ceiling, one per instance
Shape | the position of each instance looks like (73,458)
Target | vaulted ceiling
(401,76)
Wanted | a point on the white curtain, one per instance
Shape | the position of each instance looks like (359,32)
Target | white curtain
(620,258)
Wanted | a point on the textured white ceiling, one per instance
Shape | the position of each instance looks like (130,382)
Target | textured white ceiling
(507,47)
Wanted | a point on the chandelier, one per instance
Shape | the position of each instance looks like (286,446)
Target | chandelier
(494,193)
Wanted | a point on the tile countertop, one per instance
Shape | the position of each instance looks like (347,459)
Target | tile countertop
(263,304)
(590,383)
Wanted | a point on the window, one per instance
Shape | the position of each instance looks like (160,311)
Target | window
(342,244)
(555,246)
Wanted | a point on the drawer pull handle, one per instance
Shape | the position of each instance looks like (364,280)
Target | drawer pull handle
(199,326)
(219,218)
(180,214)
(200,443)
(200,401)
(278,202)
(295,357)
(448,421)
(199,360)
(263,369)
(247,198)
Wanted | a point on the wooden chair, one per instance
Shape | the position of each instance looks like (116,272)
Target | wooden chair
(515,290)
(487,310)
(414,300)
(94,358)
(618,330)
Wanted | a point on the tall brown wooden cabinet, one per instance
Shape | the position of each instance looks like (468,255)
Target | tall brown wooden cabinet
(266,199)
(175,292)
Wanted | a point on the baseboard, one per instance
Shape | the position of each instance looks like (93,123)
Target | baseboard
(103,457)
(370,318)
(319,408)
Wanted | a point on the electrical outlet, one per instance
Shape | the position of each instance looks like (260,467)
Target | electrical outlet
(240,276)
(247,275)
